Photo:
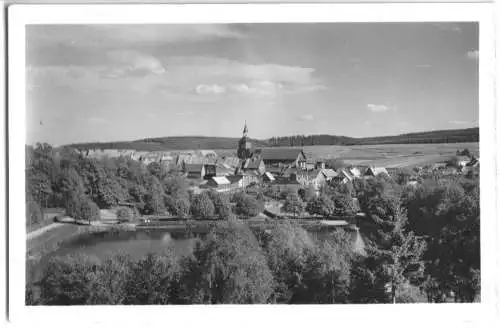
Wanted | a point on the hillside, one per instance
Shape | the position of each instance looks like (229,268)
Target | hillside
(199,142)
(171,143)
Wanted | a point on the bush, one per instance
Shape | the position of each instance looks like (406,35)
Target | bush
(248,206)
(82,208)
(321,206)
(125,214)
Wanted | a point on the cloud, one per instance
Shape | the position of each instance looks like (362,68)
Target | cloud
(132,63)
(448,27)
(306,117)
(184,78)
(125,36)
(97,120)
(423,66)
(378,108)
(473,54)
(455,122)
(204,89)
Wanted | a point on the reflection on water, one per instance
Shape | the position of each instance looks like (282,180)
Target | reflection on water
(139,243)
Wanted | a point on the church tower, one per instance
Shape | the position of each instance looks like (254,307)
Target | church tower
(244,145)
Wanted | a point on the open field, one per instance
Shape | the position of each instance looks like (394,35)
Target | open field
(403,155)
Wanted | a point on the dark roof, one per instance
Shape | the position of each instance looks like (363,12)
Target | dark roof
(285,181)
(234,178)
(252,163)
(193,167)
(281,154)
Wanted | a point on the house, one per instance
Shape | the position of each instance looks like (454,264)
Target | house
(222,170)
(310,164)
(355,172)
(463,160)
(375,171)
(319,165)
(439,166)
(283,184)
(315,178)
(253,164)
(343,176)
(236,181)
(474,162)
(284,156)
(329,174)
(268,177)
(220,184)
(194,171)
(210,170)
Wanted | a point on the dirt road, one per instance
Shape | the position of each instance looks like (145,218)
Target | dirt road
(42,230)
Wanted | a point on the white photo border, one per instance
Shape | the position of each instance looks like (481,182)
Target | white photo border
(483,313)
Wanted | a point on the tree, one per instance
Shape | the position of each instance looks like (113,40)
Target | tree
(247,206)
(153,279)
(286,245)
(398,252)
(68,281)
(125,214)
(34,214)
(227,268)
(293,205)
(156,169)
(38,186)
(202,207)
(82,208)
(153,199)
(176,186)
(178,206)
(222,205)
(321,205)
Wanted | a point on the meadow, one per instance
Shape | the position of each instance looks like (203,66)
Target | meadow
(397,155)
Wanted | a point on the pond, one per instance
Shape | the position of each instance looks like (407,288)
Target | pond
(141,242)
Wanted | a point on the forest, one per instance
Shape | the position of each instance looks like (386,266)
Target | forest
(422,242)
(200,142)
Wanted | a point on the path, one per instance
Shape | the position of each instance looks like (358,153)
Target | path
(42,230)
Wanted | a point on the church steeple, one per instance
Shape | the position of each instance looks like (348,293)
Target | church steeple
(245,129)
(244,145)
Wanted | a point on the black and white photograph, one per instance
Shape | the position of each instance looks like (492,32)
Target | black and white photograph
(278,163)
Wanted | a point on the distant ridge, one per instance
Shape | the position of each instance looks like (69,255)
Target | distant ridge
(200,142)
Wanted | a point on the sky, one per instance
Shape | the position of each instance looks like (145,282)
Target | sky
(90,83)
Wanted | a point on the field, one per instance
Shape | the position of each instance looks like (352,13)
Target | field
(403,155)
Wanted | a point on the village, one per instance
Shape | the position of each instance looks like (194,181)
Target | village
(283,169)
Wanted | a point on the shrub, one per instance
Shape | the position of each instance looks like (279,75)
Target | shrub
(321,206)
(125,214)
(82,208)
(248,206)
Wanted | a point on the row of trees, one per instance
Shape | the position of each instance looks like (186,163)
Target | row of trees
(83,185)
(231,265)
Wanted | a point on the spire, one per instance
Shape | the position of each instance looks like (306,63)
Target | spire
(245,129)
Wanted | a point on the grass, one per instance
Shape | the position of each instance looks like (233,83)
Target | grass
(404,155)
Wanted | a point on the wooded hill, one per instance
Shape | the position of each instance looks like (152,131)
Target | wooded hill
(200,142)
